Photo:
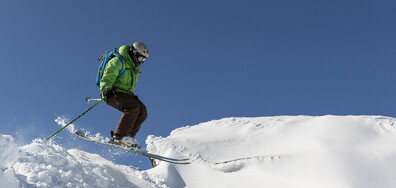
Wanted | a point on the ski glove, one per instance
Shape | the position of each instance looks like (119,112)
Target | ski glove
(110,92)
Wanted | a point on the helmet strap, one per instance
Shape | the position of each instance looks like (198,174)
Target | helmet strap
(133,50)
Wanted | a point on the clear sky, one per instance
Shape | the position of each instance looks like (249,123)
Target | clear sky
(208,60)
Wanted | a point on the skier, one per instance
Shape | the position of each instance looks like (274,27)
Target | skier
(119,92)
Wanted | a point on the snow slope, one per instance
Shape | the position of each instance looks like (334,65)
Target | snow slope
(38,165)
(282,151)
(302,151)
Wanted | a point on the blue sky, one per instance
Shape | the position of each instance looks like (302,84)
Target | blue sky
(209,60)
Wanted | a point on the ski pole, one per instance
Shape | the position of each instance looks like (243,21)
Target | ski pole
(74,120)
(89,99)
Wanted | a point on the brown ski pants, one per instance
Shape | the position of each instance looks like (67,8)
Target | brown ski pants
(134,113)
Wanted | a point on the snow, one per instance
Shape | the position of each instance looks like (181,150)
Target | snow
(280,151)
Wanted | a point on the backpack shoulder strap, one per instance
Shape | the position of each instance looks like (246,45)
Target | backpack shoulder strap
(103,62)
(123,62)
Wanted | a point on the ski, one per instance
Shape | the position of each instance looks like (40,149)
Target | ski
(82,135)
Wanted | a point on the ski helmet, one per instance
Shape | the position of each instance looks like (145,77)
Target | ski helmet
(140,49)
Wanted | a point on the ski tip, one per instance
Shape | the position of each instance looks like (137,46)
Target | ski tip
(79,133)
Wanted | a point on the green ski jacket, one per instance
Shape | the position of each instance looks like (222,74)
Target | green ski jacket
(125,83)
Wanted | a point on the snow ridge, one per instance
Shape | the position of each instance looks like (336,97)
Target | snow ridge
(285,151)
(282,151)
(49,165)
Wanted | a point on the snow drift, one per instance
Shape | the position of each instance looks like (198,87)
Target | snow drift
(302,151)
(282,151)
(38,165)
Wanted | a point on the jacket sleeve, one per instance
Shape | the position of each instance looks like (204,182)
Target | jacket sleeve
(110,74)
